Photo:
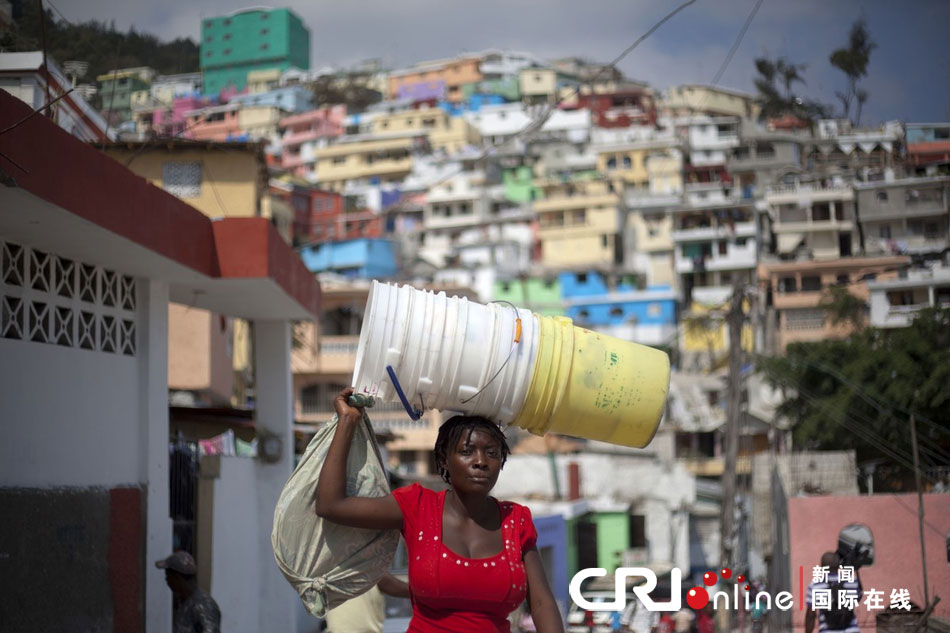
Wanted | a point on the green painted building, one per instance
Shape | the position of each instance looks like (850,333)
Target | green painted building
(253,39)
(538,295)
(509,89)
(519,184)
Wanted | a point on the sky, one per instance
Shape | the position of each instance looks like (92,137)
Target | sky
(908,75)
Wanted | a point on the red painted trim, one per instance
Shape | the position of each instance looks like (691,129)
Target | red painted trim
(801,588)
(126,539)
(82,180)
(252,248)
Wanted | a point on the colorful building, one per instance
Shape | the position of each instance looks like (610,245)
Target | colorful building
(248,40)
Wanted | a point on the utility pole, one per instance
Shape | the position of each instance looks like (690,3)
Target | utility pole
(920,502)
(734,319)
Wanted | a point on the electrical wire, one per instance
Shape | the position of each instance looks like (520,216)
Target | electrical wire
(735,45)
(864,433)
(548,109)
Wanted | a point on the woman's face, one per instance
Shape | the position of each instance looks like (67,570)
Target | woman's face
(474,463)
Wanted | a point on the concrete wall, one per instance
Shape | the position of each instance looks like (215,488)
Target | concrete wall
(71,559)
(814,524)
(80,369)
(199,353)
(236,541)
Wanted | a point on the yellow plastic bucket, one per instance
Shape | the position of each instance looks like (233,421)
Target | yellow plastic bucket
(594,386)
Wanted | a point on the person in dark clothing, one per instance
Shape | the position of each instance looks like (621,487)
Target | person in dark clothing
(194,610)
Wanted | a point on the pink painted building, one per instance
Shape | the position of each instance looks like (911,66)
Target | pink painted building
(163,120)
(302,133)
(815,522)
(217,123)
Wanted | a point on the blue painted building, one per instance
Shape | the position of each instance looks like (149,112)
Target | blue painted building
(552,545)
(292,99)
(472,104)
(357,259)
(643,316)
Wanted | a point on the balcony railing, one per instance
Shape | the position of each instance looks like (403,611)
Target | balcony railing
(339,348)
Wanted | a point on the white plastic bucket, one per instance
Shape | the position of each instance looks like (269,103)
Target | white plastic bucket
(448,353)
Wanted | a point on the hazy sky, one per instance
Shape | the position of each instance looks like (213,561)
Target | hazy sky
(908,79)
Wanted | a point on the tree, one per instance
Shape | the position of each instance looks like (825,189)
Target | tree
(858,392)
(774,75)
(853,60)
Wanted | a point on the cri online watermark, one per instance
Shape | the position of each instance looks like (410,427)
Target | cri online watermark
(821,592)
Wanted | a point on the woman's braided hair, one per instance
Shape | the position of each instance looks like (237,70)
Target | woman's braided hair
(451,432)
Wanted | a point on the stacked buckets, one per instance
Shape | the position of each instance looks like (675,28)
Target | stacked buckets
(509,365)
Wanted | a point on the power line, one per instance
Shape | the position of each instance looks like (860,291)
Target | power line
(548,109)
(59,13)
(735,45)
(863,433)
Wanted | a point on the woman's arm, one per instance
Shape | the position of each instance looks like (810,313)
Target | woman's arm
(544,611)
(332,503)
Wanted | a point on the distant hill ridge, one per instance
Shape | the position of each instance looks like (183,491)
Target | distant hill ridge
(97,43)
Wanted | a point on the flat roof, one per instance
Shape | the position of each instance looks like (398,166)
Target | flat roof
(74,200)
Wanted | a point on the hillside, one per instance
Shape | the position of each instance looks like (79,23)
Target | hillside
(97,43)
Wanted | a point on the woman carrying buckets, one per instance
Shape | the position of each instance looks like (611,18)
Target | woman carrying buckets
(472,559)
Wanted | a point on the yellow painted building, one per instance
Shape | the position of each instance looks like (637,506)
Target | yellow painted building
(650,166)
(447,133)
(694,98)
(387,158)
(538,82)
(705,330)
(579,228)
(218,179)
(260,122)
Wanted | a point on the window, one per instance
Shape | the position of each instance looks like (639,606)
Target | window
(723,248)
(626,162)
(842,280)
(612,162)
(638,532)
(264,16)
(616,312)
(265,46)
(209,39)
(605,241)
(227,22)
(339,160)
(182,180)
(881,196)
(811,283)
(787,284)
(804,319)
(227,51)
(265,31)
(227,36)
(885,231)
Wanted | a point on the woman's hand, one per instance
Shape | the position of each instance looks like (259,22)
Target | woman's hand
(331,501)
(345,413)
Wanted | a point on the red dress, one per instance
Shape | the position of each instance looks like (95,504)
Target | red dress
(452,593)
